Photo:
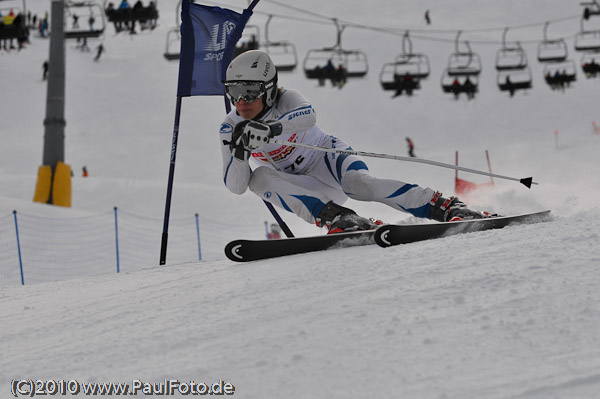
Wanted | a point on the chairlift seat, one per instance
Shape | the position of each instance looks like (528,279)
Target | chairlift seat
(591,69)
(14,31)
(511,58)
(449,86)
(83,34)
(566,70)
(587,41)
(130,14)
(353,61)
(590,64)
(283,54)
(552,51)
(515,86)
(14,27)
(416,65)
(464,64)
(171,56)
(514,80)
(173,45)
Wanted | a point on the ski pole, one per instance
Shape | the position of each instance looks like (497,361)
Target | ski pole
(526,181)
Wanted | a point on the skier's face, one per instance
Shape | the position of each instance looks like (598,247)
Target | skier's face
(248,110)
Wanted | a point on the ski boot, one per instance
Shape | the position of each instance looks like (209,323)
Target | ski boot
(338,219)
(452,209)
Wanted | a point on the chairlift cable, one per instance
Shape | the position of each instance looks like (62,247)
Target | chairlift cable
(421,33)
(400,31)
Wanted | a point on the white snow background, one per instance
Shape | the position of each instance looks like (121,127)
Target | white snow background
(512,313)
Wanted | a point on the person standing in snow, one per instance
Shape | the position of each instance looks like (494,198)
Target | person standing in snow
(411,147)
(309,183)
(45,66)
(99,51)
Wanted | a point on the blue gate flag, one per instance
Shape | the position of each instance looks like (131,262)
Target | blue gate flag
(208,38)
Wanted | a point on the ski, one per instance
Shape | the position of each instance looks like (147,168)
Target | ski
(396,234)
(249,250)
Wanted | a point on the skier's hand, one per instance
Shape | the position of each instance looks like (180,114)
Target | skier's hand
(256,135)
(237,143)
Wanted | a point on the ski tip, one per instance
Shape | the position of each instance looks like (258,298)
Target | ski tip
(527,181)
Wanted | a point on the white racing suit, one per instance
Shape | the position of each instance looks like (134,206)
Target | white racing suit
(302,180)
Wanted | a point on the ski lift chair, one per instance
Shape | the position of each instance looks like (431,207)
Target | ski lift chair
(513,70)
(555,50)
(283,53)
(146,16)
(463,63)
(560,73)
(394,79)
(250,40)
(414,64)
(14,27)
(173,44)
(417,65)
(407,71)
(460,64)
(393,72)
(590,64)
(92,19)
(552,51)
(354,62)
(173,41)
(457,84)
(587,41)
(514,80)
(510,57)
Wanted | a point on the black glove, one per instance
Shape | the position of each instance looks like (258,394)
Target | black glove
(237,142)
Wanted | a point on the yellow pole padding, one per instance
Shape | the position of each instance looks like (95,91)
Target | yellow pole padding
(61,187)
(43,185)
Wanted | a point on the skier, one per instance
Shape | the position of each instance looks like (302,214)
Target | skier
(274,233)
(99,51)
(45,66)
(411,147)
(309,183)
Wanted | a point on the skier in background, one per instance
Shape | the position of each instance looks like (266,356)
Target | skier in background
(99,51)
(309,183)
(45,66)
(411,147)
(274,233)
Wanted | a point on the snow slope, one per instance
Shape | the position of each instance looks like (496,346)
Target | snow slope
(512,313)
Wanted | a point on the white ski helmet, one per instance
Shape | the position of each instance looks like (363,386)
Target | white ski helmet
(253,66)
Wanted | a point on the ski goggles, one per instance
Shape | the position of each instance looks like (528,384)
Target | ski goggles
(247,91)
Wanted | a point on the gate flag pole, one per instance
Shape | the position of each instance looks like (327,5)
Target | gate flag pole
(208,38)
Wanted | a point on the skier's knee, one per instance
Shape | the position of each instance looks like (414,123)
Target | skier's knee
(356,184)
(260,178)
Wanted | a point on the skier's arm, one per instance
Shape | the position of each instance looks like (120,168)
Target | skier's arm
(298,114)
(236,168)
